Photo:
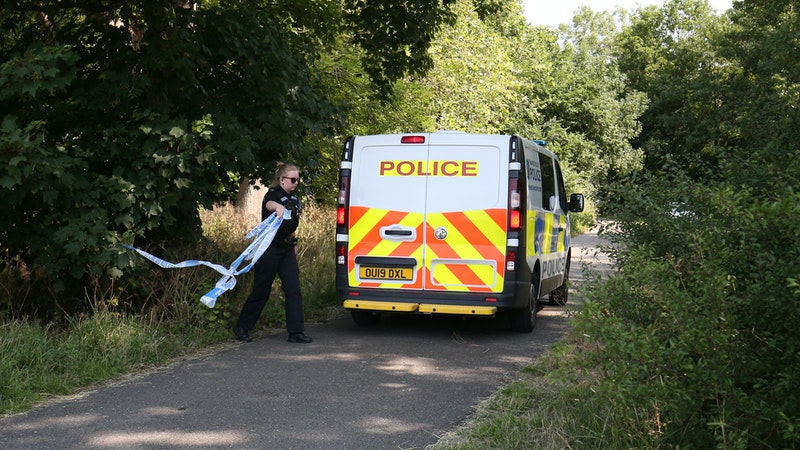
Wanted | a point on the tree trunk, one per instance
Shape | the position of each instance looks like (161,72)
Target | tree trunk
(248,201)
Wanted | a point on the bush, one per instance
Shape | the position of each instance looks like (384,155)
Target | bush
(694,342)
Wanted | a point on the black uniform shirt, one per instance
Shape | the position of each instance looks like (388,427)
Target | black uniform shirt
(291,203)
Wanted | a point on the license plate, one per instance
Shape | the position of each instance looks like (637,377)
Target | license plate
(386,273)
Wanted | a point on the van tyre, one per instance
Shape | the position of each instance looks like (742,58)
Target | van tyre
(364,318)
(523,320)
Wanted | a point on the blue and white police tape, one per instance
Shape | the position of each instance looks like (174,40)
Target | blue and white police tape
(263,235)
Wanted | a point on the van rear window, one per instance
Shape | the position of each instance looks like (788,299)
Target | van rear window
(548,180)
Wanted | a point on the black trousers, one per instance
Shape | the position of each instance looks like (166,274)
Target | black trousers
(283,262)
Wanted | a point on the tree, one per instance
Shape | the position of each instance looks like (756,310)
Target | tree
(669,54)
(473,85)
(120,119)
(395,36)
(577,97)
(697,329)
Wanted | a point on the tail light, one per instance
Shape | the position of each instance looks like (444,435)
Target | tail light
(342,203)
(342,218)
(511,261)
(514,203)
(341,210)
(514,212)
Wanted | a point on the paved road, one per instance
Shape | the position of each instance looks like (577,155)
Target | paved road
(399,385)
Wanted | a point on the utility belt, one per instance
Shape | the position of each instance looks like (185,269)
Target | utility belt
(286,242)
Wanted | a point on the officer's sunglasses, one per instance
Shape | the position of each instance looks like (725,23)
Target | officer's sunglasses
(294,180)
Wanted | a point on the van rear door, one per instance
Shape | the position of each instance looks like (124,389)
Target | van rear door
(466,213)
(428,212)
(386,213)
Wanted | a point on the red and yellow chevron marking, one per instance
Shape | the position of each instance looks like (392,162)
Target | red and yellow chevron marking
(365,240)
(470,258)
(475,248)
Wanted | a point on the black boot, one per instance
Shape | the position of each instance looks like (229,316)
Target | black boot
(241,334)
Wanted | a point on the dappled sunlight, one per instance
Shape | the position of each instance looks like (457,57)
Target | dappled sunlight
(161,411)
(388,425)
(410,366)
(168,438)
(404,365)
(55,422)
(318,357)
(429,367)
(402,386)
(519,360)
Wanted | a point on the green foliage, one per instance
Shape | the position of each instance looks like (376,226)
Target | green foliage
(396,36)
(472,86)
(694,342)
(593,113)
(113,133)
(695,334)
(670,54)
(573,95)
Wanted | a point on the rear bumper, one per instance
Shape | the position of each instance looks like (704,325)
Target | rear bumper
(423,308)
(515,296)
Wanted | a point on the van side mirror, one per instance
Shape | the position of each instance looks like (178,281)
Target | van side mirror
(576,203)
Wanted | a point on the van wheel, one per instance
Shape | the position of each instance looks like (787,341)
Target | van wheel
(364,318)
(523,320)
(560,295)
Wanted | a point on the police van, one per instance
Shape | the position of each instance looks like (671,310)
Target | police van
(451,223)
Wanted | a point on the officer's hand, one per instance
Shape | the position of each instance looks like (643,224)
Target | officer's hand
(279,210)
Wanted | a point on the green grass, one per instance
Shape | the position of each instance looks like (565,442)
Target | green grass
(40,362)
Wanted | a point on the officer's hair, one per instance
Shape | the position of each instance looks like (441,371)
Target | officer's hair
(283,169)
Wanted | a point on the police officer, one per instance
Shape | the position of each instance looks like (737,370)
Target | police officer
(280,258)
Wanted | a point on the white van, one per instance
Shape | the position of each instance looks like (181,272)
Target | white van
(451,223)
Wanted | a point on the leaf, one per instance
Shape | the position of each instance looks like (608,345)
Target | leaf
(177,132)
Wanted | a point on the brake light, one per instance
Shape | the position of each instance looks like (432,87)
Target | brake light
(342,217)
(516,220)
(514,202)
(412,140)
(341,210)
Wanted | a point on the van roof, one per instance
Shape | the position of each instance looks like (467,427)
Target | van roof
(527,143)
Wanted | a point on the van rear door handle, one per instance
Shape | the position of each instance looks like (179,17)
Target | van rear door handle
(397,232)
